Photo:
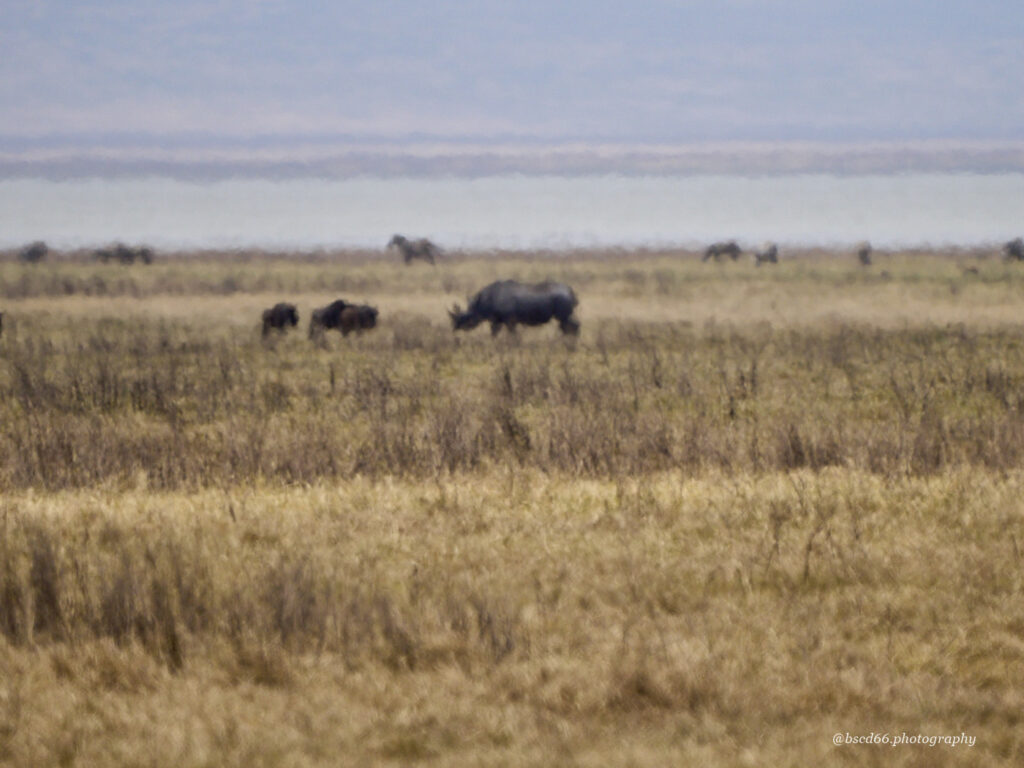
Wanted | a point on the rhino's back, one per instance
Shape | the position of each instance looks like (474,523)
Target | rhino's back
(536,303)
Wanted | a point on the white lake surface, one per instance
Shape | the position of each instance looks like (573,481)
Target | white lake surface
(517,211)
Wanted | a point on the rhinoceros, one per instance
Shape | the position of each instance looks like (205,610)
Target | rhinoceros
(509,303)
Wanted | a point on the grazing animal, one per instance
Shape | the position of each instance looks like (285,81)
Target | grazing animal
(415,249)
(718,250)
(357,318)
(864,255)
(769,255)
(1014,250)
(509,303)
(33,253)
(343,316)
(326,317)
(124,254)
(279,317)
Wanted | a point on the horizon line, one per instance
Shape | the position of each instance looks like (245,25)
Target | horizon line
(303,158)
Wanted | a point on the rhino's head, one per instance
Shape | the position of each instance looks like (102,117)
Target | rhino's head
(464,321)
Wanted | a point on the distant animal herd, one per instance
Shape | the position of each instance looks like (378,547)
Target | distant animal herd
(502,304)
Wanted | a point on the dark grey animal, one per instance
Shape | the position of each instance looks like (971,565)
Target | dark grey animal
(33,253)
(717,250)
(415,249)
(279,317)
(509,303)
(1014,250)
(124,254)
(326,317)
(769,255)
(343,316)
(358,318)
(864,255)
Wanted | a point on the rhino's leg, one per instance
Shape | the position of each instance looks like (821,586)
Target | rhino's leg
(495,327)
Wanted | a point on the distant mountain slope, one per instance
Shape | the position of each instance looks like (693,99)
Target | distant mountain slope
(281,158)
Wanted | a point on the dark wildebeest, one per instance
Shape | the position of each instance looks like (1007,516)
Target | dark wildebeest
(509,303)
(718,250)
(1014,250)
(124,254)
(279,317)
(769,255)
(864,255)
(415,249)
(343,316)
(358,318)
(326,317)
(33,253)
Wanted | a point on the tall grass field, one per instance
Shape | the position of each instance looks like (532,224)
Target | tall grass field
(750,516)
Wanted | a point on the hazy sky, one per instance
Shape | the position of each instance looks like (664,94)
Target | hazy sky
(659,70)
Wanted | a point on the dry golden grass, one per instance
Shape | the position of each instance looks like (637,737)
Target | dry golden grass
(746,510)
(518,618)
(642,286)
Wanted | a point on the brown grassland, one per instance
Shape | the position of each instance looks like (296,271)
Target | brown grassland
(747,509)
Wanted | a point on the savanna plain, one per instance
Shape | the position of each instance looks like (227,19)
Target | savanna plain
(745,510)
